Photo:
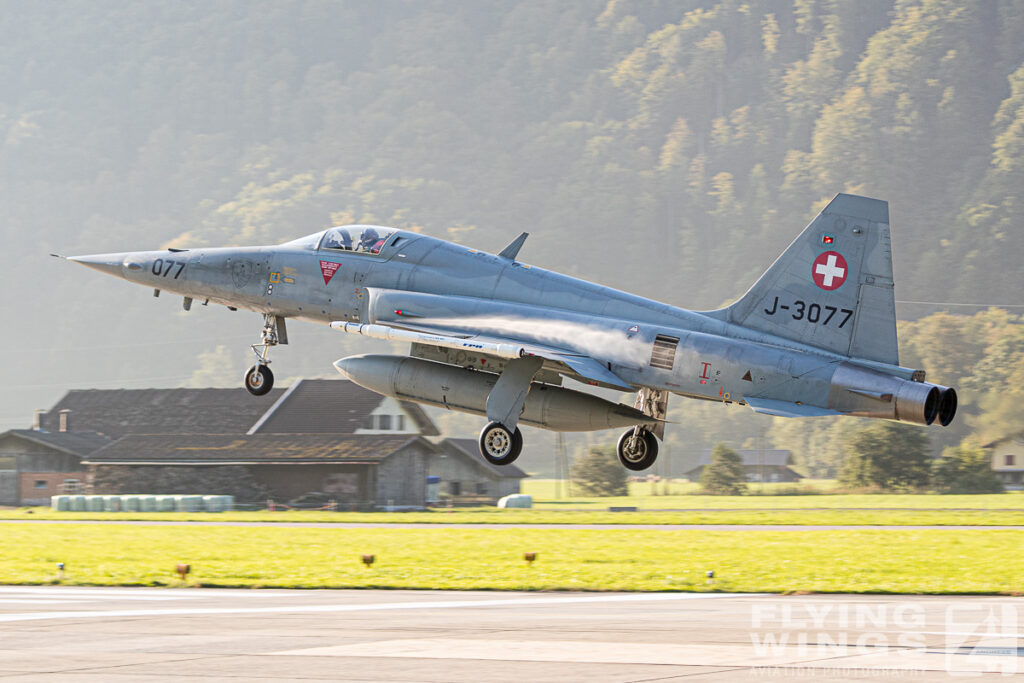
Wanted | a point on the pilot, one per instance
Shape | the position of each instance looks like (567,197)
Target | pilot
(339,239)
(370,241)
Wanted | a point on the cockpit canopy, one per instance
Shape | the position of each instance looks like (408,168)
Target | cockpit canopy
(366,239)
(362,239)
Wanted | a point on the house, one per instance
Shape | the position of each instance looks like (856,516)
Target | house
(337,406)
(462,472)
(118,412)
(1008,461)
(759,465)
(327,436)
(37,464)
(357,472)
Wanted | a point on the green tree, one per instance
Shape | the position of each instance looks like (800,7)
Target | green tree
(888,456)
(599,473)
(724,475)
(965,470)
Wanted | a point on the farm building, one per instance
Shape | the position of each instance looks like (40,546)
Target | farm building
(759,465)
(1008,461)
(330,437)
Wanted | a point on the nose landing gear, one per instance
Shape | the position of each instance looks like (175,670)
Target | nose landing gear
(259,379)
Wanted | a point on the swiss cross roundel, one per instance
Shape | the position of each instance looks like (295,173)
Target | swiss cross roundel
(829,270)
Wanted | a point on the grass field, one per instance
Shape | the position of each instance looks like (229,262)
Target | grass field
(800,516)
(888,561)
(833,509)
(770,495)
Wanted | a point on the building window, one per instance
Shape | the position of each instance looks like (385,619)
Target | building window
(1010,461)
(383,422)
(39,484)
(481,488)
(455,488)
(400,423)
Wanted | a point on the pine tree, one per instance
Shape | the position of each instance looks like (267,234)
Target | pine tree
(888,456)
(724,475)
(599,473)
(965,470)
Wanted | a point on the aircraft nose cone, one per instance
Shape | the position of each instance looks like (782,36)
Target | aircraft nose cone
(111,264)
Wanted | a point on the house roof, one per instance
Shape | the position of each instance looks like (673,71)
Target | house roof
(117,412)
(1018,437)
(469,447)
(755,458)
(249,449)
(74,443)
(329,406)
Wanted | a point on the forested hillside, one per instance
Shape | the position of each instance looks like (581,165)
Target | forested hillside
(668,148)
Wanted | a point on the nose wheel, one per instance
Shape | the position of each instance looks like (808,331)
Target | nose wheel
(637,449)
(259,379)
(498,445)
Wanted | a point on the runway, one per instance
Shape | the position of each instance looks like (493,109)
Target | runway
(148,634)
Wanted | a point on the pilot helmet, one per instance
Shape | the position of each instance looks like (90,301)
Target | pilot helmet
(369,238)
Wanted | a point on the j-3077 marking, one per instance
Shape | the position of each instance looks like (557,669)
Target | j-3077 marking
(811,312)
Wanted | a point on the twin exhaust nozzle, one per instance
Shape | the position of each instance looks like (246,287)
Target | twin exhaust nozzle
(940,405)
(856,390)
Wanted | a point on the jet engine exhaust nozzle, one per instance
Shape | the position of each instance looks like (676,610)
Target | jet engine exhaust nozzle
(947,405)
(864,392)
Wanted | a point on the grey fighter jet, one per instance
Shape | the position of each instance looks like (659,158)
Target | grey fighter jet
(493,336)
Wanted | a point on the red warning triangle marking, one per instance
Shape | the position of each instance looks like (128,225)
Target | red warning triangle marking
(328,269)
(748,377)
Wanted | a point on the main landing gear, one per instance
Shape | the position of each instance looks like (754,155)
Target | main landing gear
(637,449)
(259,380)
(498,445)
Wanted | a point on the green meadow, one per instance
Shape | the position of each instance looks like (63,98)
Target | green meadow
(779,504)
(861,560)
(786,516)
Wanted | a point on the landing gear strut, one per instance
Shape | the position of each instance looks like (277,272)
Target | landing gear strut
(637,449)
(498,445)
(259,379)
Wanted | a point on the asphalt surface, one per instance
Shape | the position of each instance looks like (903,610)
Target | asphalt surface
(431,525)
(147,634)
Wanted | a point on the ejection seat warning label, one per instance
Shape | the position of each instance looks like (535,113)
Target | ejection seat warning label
(329,268)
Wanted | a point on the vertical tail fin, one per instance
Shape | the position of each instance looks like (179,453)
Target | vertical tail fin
(833,287)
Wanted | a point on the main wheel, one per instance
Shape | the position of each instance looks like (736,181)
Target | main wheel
(259,380)
(637,452)
(498,445)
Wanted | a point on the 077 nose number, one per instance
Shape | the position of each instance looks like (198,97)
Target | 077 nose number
(813,313)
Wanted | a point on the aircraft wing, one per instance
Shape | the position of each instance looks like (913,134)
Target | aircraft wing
(588,368)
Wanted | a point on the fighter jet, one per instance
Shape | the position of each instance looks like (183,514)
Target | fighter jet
(495,337)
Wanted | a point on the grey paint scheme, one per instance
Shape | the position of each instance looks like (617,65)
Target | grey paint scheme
(430,285)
